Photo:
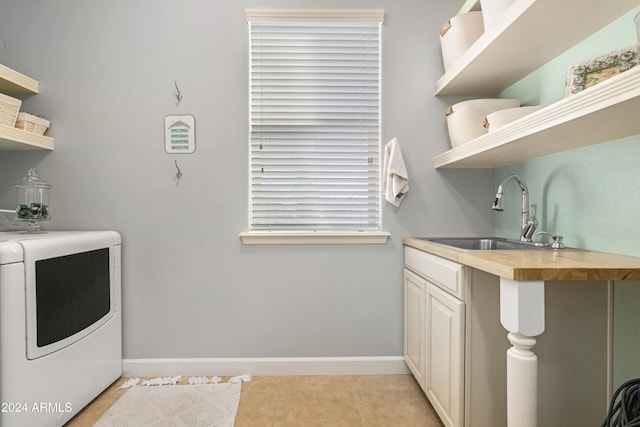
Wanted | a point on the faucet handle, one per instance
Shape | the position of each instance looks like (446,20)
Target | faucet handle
(557,240)
(530,226)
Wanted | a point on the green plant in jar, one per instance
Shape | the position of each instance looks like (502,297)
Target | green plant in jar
(33,200)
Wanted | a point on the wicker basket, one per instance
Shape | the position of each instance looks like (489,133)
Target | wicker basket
(9,108)
(31,123)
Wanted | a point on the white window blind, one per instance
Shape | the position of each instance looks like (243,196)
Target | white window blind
(315,124)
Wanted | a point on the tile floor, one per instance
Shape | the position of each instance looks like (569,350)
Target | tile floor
(309,401)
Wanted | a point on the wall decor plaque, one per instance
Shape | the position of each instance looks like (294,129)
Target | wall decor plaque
(180,134)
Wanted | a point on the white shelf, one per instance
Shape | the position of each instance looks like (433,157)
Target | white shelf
(604,112)
(13,82)
(533,32)
(17,139)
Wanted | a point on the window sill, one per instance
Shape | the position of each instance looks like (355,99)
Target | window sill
(314,238)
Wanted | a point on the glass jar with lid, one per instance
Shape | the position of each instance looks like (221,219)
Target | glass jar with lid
(33,200)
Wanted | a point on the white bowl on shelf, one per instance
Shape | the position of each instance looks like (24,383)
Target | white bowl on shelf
(500,118)
(465,120)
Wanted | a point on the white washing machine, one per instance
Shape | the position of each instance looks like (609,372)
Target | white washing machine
(60,323)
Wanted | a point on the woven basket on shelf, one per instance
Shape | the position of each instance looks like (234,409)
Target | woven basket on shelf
(32,123)
(9,108)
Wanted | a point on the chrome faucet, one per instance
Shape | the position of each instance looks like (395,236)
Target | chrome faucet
(529,224)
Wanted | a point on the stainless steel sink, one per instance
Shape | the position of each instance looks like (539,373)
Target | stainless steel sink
(486,243)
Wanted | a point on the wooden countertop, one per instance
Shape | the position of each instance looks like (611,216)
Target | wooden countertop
(563,264)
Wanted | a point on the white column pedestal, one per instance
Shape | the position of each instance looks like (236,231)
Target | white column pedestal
(522,314)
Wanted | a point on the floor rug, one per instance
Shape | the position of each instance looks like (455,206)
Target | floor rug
(175,406)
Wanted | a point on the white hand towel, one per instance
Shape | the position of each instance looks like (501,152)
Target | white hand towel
(395,183)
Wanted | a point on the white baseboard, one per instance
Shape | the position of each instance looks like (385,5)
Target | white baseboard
(265,366)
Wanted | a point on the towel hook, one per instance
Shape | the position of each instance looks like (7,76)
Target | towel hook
(179,173)
(178,94)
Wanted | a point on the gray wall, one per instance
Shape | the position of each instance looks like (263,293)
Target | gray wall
(190,287)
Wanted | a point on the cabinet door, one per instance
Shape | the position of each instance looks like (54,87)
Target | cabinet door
(444,374)
(414,324)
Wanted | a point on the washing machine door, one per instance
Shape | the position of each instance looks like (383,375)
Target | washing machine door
(70,289)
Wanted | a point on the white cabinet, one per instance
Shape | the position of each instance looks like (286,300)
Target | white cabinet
(414,324)
(13,82)
(503,56)
(444,373)
(434,331)
(455,345)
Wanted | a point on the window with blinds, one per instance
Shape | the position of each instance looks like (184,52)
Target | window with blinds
(315,124)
